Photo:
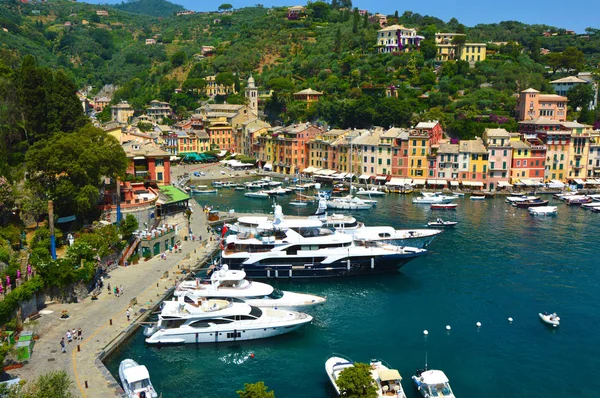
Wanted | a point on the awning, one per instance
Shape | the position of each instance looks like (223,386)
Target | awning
(349,175)
(365,177)
(62,220)
(436,182)
(310,169)
(472,183)
(579,181)
(591,181)
(398,181)
(381,178)
(268,166)
(417,181)
(503,184)
(454,183)
(139,157)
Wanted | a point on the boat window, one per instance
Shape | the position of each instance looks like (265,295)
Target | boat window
(220,321)
(140,384)
(174,323)
(384,235)
(256,312)
(200,324)
(276,294)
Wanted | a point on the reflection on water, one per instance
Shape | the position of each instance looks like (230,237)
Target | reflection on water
(498,262)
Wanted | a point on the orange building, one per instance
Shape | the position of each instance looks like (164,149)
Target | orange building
(308,95)
(531,105)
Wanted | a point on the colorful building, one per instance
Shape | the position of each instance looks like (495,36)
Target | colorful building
(497,142)
(418,153)
(447,163)
(148,161)
(308,95)
(473,52)
(213,89)
(122,112)
(474,158)
(397,38)
(531,105)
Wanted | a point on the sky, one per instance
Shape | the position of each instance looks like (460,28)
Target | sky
(585,13)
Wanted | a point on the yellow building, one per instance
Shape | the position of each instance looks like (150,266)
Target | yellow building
(476,156)
(212,88)
(418,151)
(579,149)
(447,51)
(473,52)
(521,153)
(121,113)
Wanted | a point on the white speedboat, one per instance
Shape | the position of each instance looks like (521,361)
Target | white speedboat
(386,380)
(135,380)
(217,321)
(433,383)
(522,198)
(435,198)
(204,191)
(550,319)
(441,223)
(477,197)
(543,210)
(230,284)
(348,203)
(298,204)
(402,237)
(257,195)
(370,192)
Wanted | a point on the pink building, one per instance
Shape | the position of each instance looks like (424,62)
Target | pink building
(433,129)
(499,150)
(531,105)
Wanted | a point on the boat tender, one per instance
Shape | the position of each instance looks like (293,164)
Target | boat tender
(135,380)
(433,383)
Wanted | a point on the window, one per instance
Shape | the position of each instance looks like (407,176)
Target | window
(389,162)
(372,159)
(524,163)
(159,162)
(505,152)
(159,176)
(493,150)
(379,161)
(518,163)
(491,166)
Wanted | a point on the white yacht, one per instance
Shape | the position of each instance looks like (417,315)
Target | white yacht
(258,195)
(386,380)
(435,198)
(135,380)
(336,222)
(543,210)
(433,383)
(226,283)
(370,192)
(311,252)
(348,202)
(216,321)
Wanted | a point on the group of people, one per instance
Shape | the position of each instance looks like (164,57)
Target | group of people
(71,335)
(118,290)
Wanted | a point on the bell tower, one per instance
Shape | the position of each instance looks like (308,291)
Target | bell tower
(252,96)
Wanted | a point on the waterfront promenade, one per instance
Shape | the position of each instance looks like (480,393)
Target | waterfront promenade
(104,321)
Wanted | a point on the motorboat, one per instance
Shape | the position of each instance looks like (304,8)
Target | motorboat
(240,188)
(348,203)
(477,197)
(521,198)
(388,382)
(257,195)
(309,250)
(596,209)
(578,200)
(402,237)
(550,319)
(217,184)
(441,223)
(135,380)
(217,321)
(443,206)
(231,284)
(525,204)
(298,204)
(434,198)
(204,191)
(433,383)
(543,210)
(370,192)
(590,205)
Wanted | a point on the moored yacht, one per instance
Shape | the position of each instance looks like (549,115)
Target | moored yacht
(230,284)
(349,202)
(216,321)
(433,383)
(135,380)
(311,252)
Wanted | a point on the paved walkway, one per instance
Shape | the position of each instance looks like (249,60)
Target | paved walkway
(104,321)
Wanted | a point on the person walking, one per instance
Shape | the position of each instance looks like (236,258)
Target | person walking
(79,334)
(69,336)
(74,334)
(108,286)
(121,290)
(63,348)
(128,314)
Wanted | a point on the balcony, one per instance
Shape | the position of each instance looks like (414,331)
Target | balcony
(578,155)
(499,168)
(578,166)
(538,147)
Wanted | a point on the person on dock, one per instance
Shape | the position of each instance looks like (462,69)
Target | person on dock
(79,334)
(128,314)
(63,348)
(108,286)
(69,338)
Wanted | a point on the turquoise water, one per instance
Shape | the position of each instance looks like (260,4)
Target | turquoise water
(499,262)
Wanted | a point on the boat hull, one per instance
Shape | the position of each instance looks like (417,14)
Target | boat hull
(319,270)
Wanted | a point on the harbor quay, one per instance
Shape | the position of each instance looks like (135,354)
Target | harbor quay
(104,320)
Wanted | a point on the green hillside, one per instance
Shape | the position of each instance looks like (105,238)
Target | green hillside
(155,8)
(331,50)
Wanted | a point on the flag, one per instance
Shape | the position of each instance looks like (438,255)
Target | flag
(224,230)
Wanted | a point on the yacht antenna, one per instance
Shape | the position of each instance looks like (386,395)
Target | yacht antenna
(425,360)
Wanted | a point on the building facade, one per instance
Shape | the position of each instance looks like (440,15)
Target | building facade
(531,105)
(397,38)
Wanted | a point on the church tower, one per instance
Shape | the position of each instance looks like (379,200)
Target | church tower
(252,96)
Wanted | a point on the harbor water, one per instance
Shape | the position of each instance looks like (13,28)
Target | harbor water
(498,262)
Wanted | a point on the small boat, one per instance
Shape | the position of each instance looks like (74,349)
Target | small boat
(258,195)
(477,197)
(530,203)
(443,206)
(370,192)
(579,200)
(240,188)
(388,382)
(550,319)
(441,223)
(432,383)
(543,210)
(522,198)
(298,204)
(596,209)
(458,193)
(204,191)
(136,380)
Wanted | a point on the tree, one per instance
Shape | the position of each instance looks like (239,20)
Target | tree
(320,10)
(580,96)
(337,46)
(178,59)
(256,390)
(573,59)
(56,384)
(225,7)
(70,168)
(225,78)
(356,382)
(428,49)
(128,225)
(355,21)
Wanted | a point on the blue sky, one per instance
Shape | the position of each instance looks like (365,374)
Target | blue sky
(575,16)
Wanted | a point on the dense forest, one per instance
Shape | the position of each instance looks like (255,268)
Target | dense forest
(332,49)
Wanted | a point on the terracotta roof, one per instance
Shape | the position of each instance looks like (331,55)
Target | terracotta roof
(146,149)
(519,145)
(472,146)
(496,133)
(308,91)
(530,90)
(541,121)
(448,148)
(553,97)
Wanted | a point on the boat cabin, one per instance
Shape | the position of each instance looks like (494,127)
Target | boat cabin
(137,378)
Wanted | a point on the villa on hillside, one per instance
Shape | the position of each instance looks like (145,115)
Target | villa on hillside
(397,38)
